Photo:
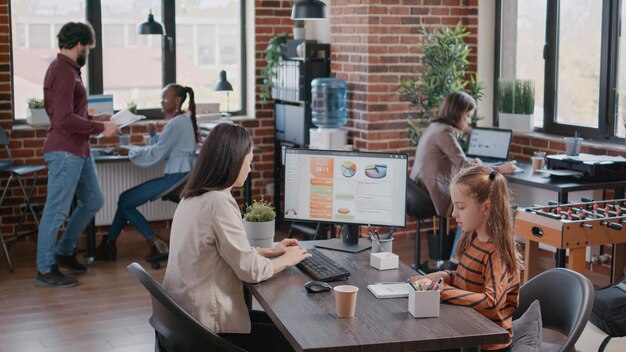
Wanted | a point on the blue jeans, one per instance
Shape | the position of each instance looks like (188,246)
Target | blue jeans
(129,201)
(68,176)
(457,236)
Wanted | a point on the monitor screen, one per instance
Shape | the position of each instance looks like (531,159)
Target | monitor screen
(345,187)
(489,142)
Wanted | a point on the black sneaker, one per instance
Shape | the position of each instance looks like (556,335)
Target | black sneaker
(54,278)
(70,262)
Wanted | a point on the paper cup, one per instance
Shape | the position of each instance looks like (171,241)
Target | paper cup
(537,162)
(345,300)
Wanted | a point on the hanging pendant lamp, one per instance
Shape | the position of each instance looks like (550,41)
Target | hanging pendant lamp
(309,10)
(150,26)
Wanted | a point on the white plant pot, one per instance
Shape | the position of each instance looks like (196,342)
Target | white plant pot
(517,122)
(299,33)
(37,117)
(260,234)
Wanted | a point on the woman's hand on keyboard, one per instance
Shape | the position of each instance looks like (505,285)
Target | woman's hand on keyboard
(292,256)
(280,248)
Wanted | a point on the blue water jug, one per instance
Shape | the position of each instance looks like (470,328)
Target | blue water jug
(328,102)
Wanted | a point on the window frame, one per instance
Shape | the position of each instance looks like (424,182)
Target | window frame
(609,61)
(94,72)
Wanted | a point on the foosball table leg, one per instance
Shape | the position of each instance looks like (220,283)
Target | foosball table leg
(531,260)
(577,259)
(617,267)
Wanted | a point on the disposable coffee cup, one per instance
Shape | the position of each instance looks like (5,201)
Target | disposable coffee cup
(537,162)
(383,245)
(345,300)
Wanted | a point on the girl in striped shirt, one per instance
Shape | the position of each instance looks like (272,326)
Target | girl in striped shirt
(488,275)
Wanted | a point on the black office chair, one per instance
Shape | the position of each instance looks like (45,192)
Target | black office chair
(15,171)
(420,206)
(566,299)
(173,192)
(175,329)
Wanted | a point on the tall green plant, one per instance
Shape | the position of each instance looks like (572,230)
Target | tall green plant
(273,54)
(516,96)
(445,62)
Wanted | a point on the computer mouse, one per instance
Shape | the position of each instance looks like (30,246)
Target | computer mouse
(317,286)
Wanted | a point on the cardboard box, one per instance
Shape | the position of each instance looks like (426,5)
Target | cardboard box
(424,304)
(384,260)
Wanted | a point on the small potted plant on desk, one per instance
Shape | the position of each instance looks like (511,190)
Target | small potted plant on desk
(516,103)
(258,221)
(36,114)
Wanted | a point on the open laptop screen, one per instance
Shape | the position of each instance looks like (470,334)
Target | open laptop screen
(489,144)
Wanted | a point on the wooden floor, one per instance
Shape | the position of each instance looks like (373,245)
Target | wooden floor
(108,311)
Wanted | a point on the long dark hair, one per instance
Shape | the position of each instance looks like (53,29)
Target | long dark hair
(182,92)
(220,160)
(483,184)
(453,107)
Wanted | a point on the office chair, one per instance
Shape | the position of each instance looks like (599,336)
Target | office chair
(566,299)
(175,329)
(17,172)
(173,192)
(420,206)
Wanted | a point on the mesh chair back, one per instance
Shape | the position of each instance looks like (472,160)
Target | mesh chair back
(179,331)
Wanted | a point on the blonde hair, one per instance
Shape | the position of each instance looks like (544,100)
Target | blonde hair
(483,184)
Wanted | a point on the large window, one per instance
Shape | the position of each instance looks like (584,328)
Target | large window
(571,49)
(202,38)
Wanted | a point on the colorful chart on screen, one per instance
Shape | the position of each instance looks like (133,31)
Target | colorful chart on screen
(348,169)
(377,171)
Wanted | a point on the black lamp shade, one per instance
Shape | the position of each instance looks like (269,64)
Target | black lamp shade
(309,10)
(223,85)
(150,26)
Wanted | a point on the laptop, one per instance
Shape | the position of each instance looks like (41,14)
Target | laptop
(490,145)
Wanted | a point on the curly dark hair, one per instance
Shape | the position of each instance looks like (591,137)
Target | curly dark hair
(73,33)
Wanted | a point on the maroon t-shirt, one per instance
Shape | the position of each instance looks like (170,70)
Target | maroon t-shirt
(65,100)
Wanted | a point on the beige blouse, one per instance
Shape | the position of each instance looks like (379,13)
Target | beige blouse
(209,260)
(438,158)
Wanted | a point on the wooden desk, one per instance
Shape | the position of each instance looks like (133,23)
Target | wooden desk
(562,186)
(309,323)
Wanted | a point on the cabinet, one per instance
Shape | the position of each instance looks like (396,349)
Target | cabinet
(292,102)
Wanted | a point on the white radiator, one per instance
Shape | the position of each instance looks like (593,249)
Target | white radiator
(116,177)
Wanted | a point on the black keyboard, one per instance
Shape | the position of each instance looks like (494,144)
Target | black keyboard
(322,268)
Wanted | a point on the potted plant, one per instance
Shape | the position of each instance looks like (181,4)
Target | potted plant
(299,32)
(516,104)
(445,61)
(258,221)
(273,56)
(36,113)
(131,105)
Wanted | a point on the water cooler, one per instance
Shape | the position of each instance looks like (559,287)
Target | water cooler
(328,111)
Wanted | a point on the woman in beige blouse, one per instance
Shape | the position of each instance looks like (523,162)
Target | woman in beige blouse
(210,257)
(439,155)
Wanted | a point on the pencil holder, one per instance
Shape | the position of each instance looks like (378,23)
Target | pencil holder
(424,304)
(384,260)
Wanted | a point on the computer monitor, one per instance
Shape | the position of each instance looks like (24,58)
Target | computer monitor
(348,188)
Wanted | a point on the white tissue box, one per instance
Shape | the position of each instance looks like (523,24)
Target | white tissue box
(424,304)
(384,260)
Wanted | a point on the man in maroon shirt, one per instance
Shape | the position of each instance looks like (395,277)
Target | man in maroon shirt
(71,169)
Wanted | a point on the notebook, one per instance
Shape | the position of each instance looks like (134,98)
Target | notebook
(490,145)
(396,290)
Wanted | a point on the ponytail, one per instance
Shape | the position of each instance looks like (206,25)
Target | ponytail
(483,184)
(182,92)
(192,112)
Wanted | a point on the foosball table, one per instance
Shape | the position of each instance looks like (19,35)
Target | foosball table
(573,227)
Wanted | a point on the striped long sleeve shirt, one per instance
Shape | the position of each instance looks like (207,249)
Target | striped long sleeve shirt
(482,282)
